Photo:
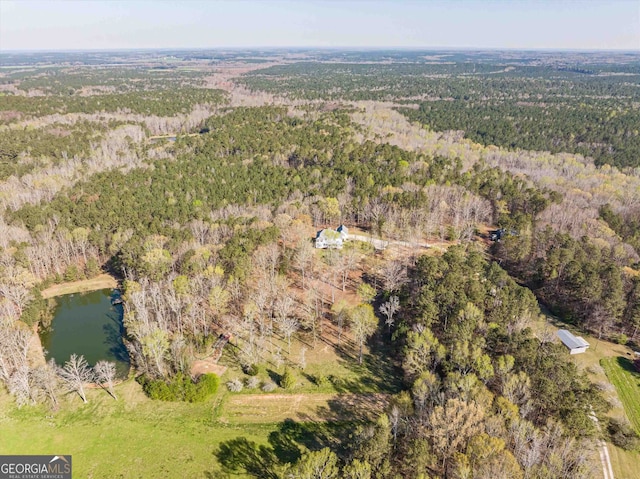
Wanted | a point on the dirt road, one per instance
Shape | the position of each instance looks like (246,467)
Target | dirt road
(383,244)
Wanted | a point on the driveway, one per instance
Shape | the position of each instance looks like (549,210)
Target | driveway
(383,244)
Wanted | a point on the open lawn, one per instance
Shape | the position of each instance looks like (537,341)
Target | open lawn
(622,375)
(133,437)
(102,281)
(625,463)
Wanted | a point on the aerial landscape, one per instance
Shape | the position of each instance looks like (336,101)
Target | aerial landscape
(246,240)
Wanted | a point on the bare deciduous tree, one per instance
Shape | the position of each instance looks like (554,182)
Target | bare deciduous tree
(283,306)
(19,386)
(17,294)
(155,346)
(47,382)
(288,325)
(303,258)
(303,358)
(105,372)
(347,263)
(376,211)
(390,308)
(394,275)
(14,344)
(451,424)
(266,258)
(76,373)
(363,324)
(340,312)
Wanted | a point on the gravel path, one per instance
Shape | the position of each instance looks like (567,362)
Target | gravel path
(603,450)
(382,244)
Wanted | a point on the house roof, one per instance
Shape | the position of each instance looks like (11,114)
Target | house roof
(328,234)
(571,341)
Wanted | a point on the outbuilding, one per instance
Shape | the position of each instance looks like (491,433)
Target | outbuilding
(575,344)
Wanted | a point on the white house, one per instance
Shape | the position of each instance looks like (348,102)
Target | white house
(329,238)
(344,232)
(575,344)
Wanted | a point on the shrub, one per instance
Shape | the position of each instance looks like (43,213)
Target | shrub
(269,386)
(155,388)
(621,338)
(251,370)
(623,436)
(337,382)
(36,310)
(451,234)
(595,370)
(72,273)
(321,380)
(206,386)
(288,379)
(252,382)
(92,268)
(605,386)
(180,388)
(235,385)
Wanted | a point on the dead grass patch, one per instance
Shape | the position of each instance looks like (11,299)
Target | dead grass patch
(102,281)
(207,366)
(270,408)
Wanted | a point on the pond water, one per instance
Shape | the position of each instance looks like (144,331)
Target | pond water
(87,324)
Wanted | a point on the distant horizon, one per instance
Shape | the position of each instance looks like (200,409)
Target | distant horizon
(112,25)
(317,48)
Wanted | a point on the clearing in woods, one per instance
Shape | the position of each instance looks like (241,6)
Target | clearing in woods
(102,281)
(623,376)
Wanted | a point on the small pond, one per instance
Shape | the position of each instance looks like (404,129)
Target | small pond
(87,324)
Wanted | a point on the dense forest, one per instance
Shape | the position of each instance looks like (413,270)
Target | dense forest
(555,108)
(199,179)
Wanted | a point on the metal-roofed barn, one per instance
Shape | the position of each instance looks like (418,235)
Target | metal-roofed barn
(575,344)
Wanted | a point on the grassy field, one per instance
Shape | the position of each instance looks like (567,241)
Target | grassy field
(624,463)
(102,281)
(135,437)
(626,380)
(130,438)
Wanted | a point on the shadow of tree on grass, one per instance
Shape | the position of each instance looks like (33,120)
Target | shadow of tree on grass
(287,443)
(378,372)
(240,454)
(627,365)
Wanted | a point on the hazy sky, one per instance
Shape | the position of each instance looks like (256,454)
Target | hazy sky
(111,24)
